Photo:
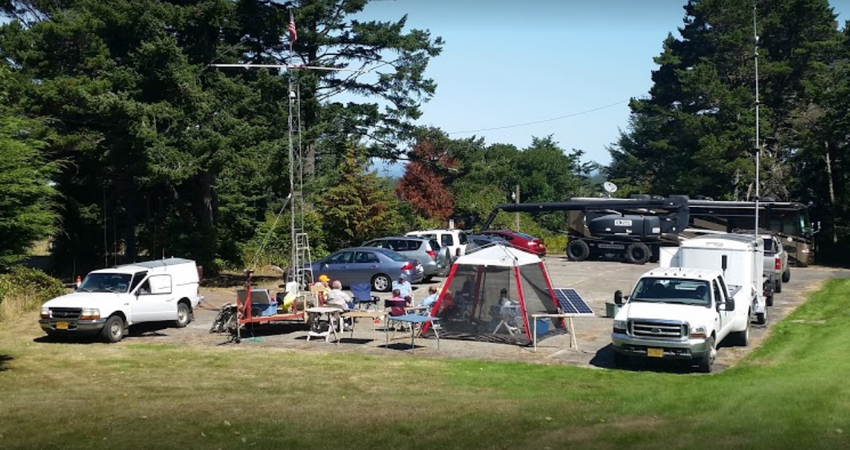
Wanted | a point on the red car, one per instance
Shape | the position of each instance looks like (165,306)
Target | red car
(519,240)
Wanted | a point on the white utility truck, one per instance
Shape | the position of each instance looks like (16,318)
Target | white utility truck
(706,290)
(108,301)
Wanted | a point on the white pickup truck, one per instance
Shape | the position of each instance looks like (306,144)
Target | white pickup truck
(709,290)
(108,301)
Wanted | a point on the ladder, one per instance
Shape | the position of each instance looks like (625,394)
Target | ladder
(303,269)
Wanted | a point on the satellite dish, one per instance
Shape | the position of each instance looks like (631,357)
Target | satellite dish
(609,187)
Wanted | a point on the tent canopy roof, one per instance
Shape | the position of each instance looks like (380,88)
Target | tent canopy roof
(499,255)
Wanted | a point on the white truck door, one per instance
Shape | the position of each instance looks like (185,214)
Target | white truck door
(726,317)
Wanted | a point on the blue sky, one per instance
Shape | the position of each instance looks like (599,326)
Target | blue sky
(508,63)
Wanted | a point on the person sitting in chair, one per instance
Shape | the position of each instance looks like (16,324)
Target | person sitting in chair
(336,298)
(398,303)
(429,301)
(404,288)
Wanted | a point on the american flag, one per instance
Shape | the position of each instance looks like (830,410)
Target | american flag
(293,34)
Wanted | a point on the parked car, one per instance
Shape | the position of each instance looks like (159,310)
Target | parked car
(455,240)
(519,240)
(377,266)
(435,260)
(478,241)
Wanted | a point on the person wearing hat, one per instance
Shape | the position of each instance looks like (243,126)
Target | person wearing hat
(323,288)
(404,288)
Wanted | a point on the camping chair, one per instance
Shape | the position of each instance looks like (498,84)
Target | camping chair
(362,296)
(391,305)
(508,314)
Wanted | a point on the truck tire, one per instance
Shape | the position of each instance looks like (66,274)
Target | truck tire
(638,253)
(778,287)
(184,315)
(768,299)
(113,329)
(762,318)
(578,250)
(706,363)
(742,338)
(786,276)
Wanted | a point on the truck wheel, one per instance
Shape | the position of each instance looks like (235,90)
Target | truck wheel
(184,316)
(638,253)
(777,287)
(761,318)
(786,276)
(578,250)
(620,360)
(706,363)
(113,329)
(768,300)
(742,338)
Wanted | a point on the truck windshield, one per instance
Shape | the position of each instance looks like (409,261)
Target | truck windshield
(672,290)
(105,282)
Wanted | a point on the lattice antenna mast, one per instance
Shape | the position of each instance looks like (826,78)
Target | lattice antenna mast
(300,252)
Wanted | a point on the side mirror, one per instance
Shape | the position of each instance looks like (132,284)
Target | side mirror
(618,297)
(730,304)
(724,262)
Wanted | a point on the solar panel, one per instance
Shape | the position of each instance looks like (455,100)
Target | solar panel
(570,302)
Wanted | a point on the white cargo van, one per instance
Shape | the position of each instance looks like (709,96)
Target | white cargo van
(108,301)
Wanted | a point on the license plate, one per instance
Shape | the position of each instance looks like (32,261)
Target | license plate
(61,325)
(655,352)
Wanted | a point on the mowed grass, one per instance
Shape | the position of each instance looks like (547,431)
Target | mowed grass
(792,393)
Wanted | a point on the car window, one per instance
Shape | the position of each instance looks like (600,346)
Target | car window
(718,297)
(524,236)
(462,237)
(411,244)
(434,245)
(392,255)
(447,240)
(365,257)
(340,258)
(768,245)
(137,278)
(373,244)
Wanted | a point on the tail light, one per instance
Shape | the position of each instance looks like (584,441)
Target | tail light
(777,263)
(432,254)
(407,266)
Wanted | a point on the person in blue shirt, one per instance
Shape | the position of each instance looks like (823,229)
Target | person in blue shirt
(429,301)
(404,288)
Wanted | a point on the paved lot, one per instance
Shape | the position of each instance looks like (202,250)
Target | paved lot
(595,281)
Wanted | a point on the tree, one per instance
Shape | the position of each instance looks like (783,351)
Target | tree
(358,206)
(167,155)
(694,134)
(423,184)
(27,208)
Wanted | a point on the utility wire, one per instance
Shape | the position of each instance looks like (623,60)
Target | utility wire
(540,121)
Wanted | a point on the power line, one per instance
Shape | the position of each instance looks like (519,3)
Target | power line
(540,121)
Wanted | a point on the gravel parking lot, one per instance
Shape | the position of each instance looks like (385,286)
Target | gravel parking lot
(596,281)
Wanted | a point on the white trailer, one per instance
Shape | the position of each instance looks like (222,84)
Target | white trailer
(739,257)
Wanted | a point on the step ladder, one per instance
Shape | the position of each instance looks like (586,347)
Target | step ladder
(303,265)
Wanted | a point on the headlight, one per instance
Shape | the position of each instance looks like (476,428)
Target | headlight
(90,314)
(697,332)
(45,312)
(619,326)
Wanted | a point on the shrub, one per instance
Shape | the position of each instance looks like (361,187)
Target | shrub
(555,245)
(24,290)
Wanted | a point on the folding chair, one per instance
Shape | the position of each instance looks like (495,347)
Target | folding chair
(362,296)
(394,308)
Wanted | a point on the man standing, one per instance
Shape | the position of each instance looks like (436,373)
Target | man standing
(404,288)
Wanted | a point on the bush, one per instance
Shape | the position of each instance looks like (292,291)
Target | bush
(24,290)
(555,245)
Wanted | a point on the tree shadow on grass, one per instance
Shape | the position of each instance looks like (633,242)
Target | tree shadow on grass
(4,359)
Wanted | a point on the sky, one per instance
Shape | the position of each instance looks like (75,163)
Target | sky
(570,64)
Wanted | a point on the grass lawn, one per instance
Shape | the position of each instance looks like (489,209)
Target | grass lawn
(790,393)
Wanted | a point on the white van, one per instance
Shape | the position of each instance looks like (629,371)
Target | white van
(455,240)
(108,301)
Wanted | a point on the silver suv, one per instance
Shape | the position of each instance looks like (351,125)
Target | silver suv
(435,261)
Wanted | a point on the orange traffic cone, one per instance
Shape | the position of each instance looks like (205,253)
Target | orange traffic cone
(79,281)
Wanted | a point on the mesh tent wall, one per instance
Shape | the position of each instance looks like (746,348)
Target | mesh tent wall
(490,294)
